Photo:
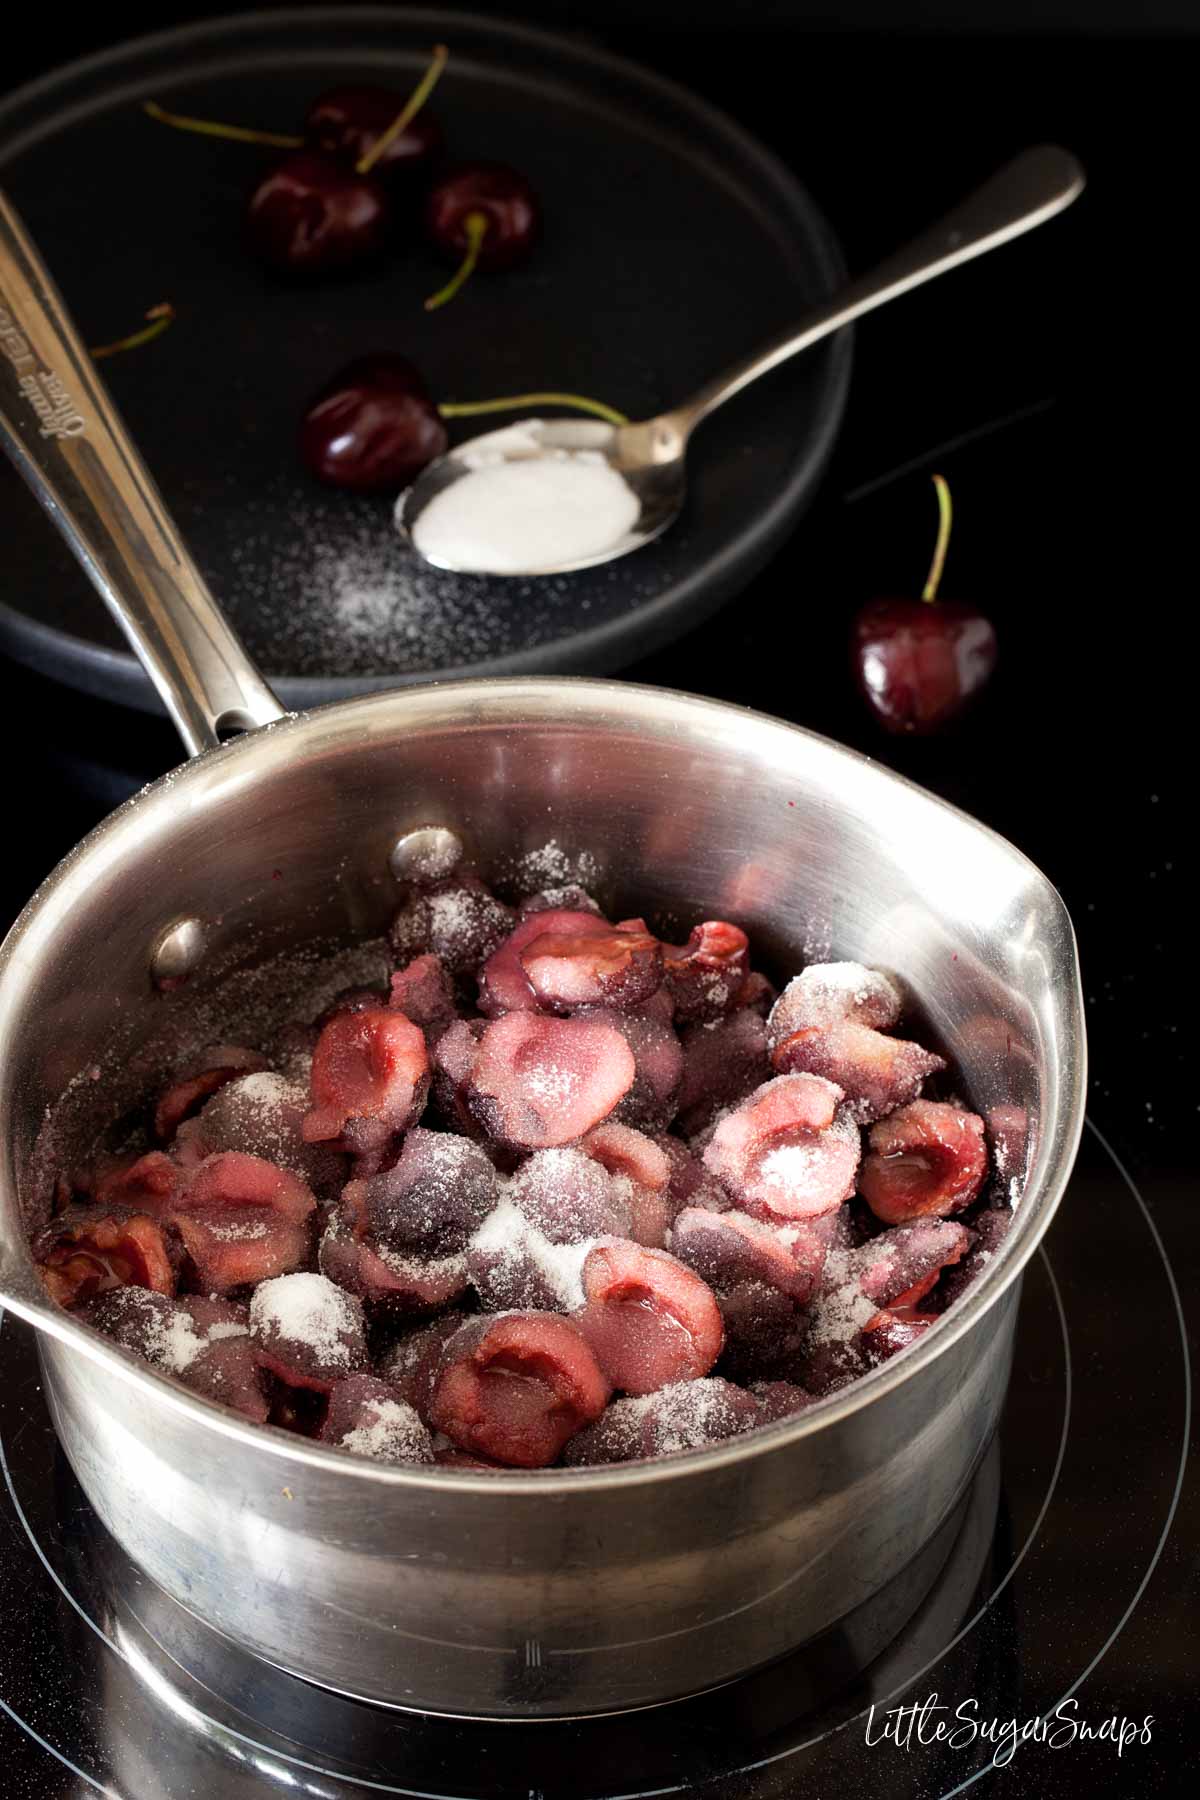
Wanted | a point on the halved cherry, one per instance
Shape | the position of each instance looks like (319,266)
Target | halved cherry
(890,1331)
(568,898)
(928,1158)
(393,1281)
(538,1082)
(726,1248)
(616,1436)
(192,1086)
(369,1418)
(569,1195)
(516,1387)
(85,1252)
(458,919)
(779,1400)
(687,1415)
(825,994)
(990,1228)
(438,1191)
(876,1073)
(691,1184)
(422,992)
(504,981)
(593,965)
(722,1063)
(514,1266)
(146,1181)
(705,974)
(411,1363)
(226,1367)
(657,1057)
(649,1318)
(787,1152)
(765,1332)
(353,999)
(243,1220)
(453,1059)
(203,1342)
(263,1115)
(645,1170)
(370,1079)
(308,1331)
(900,1267)
(623,1151)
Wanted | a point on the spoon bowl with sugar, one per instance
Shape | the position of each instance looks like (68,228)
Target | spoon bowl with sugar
(545,496)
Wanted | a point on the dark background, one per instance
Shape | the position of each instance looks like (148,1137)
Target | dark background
(1055,386)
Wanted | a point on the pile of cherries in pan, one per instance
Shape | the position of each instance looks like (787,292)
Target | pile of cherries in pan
(564,1194)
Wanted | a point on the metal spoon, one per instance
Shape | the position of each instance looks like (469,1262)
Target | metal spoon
(650,455)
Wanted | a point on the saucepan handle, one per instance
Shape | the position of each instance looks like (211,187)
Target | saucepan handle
(59,425)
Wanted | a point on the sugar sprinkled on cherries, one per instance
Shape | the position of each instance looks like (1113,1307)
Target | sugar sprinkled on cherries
(571,1220)
(919,662)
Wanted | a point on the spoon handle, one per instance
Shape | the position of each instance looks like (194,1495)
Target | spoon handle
(63,432)
(1033,187)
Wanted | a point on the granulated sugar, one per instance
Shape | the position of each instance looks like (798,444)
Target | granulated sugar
(551,865)
(390,1432)
(308,1310)
(522,507)
(841,1309)
(165,1334)
(327,588)
(512,1245)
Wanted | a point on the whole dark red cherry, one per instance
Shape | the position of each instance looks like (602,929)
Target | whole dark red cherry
(919,662)
(373,427)
(501,197)
(346,122)
(312,214)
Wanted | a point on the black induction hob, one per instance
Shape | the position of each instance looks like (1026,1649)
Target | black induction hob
(1042,384)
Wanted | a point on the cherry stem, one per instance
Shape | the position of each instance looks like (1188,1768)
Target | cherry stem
(213,128)
(160,317)
(408,111)
(475,225)
(470,409)
(945,517)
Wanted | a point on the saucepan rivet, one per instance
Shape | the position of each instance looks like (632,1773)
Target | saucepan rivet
(426,854)
(177,952)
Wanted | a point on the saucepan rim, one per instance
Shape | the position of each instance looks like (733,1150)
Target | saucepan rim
(1058,1149)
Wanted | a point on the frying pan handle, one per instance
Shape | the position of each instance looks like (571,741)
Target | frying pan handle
(64,434)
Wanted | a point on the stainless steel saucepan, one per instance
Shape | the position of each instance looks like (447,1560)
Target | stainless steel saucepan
(524,1595)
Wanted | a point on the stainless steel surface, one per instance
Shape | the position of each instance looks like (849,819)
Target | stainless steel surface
(651,454)
(178,950)
(562,1591)
(59,425)
(522,1594)
(428,853)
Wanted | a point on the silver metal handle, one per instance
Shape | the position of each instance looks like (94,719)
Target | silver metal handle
(1028,190)
(60,427)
